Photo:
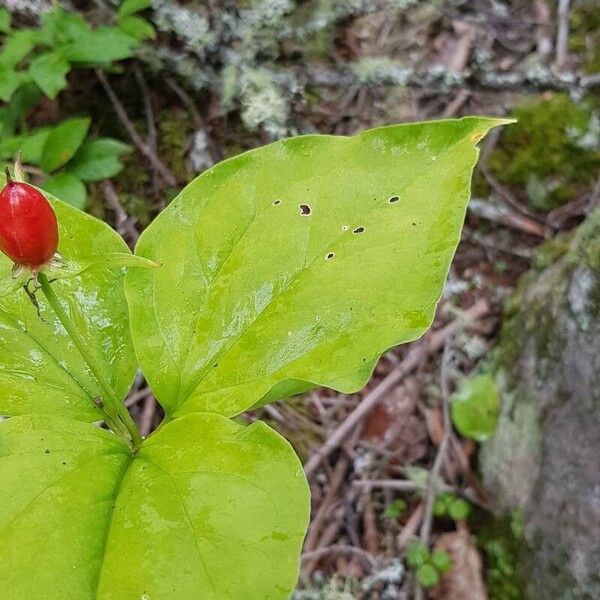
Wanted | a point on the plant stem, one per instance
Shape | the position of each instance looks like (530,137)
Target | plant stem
(116,410)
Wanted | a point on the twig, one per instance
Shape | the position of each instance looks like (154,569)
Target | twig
(199,122)
(434,475)
(456,104)
(408,531)
(140,144)
(340,549)
(329,535)
(333,485)
(135,397)
(398,484)
(504,215)
(147,415)
(122,220)
(505,195)
(433,343)
(151,135)
(562,33)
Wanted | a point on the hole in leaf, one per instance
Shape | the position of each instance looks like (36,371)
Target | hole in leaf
(345,228)
(304,209)
(329,256)
(358,230)
(394,199)
(276,202)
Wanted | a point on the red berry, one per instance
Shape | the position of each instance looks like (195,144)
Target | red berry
(28,227)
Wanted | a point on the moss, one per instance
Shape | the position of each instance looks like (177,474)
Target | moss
(552,152)
(501,540)
(584,38)
(174,129)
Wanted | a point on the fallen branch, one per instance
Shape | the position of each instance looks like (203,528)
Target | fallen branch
(340,549)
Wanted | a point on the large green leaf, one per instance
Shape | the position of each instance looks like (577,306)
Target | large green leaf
(299,263)
(41,371)
(62,143)
(221,517)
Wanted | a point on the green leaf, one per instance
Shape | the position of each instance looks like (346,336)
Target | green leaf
(417,554)
(24,98)
(33,145)
(68,188)
(30,145)
(62,143)
(102,45)
(10,80)
(221,516)
(427,575)
(48,73)
(441,560)
(60,26)
(9,146)
(137,27)
(395,509)
(475,407)
(459,509)
(5,19)
(258,299)
(16,47)
(98,159)
(129,7)
(442,504)
(64,269)
(41,371)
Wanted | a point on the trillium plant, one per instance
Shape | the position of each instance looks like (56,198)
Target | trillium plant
(288,267)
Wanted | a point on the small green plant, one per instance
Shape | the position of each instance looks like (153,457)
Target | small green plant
(449,505)
(287,267)
(36,61)
(475,406)
(428,566)
(395,509)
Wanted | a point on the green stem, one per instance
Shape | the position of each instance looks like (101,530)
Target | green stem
(116,410)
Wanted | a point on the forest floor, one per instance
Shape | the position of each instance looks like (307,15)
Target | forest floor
(376,460)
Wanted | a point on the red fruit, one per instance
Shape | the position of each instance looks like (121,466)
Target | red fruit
(28,227)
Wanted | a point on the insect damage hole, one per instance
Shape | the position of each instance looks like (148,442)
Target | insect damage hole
(329,256)
(358,229)
(276,202)
(393,199)
(305,210)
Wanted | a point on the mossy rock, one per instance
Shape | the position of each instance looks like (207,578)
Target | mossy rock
(552,153)
(543,458)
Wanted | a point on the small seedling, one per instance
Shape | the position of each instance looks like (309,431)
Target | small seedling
(449,505)
(428,566)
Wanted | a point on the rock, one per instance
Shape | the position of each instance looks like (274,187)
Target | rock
(545,456)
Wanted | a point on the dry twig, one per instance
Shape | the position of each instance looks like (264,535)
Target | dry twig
(140,144)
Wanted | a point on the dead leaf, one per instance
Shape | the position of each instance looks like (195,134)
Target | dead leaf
(464,581)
